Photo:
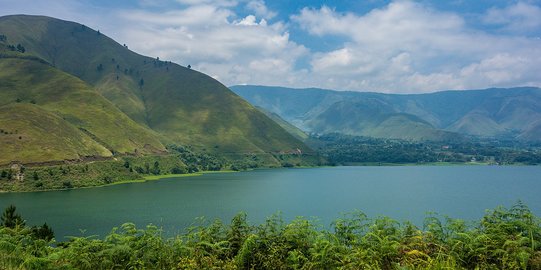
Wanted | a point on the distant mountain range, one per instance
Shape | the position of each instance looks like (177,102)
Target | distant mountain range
(513,113)
(68,92)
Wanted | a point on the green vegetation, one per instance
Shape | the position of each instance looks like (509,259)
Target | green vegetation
(502,239)
(293,130)
(88,174)
(340,149)
(511,113)
(59,117)
(133,104)
(181,160)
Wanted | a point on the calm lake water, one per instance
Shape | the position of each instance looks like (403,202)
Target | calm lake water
(402,193)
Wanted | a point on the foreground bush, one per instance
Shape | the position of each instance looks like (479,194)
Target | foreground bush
(502,239)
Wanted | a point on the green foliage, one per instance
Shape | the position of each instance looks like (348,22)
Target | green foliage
(502,239)
(57,127)
(11,219)
(43,232)
(95,173)
(440,116)
(155,102)
(343,149)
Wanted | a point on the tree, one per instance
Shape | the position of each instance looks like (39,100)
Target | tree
(10,219)
(43,232)
(36,176)
(3,38)
(189,66)
(156,169)
(67,184)
(141,82)
(238,231)
(20,48)
(99,67)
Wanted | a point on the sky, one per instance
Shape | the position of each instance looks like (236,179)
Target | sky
(373,45)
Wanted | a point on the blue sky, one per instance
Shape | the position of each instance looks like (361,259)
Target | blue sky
(374,45)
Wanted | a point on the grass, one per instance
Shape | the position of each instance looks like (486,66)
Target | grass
(293,130)
(173,104)
(92,174)
(33,134)
(59,114)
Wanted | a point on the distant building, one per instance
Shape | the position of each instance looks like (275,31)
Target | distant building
(17,170)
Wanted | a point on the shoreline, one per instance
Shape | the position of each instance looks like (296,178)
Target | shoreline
(360,164)
(121,182)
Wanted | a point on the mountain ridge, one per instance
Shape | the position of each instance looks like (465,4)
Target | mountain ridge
(170,103)
(491,112)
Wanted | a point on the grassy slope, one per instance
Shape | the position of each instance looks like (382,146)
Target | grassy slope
(183,105)
(375,118)
(76,103)
(293,130)
(40,135)
(532,132)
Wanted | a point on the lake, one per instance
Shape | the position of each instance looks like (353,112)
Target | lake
(400,192)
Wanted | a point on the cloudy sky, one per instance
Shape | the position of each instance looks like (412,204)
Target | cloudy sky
(371,45)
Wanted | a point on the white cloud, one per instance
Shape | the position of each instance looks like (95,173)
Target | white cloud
(260,9)
(250,20)
(218,3)
(408,47)
(404,46)
(518,18)
(212,40)
(192,16)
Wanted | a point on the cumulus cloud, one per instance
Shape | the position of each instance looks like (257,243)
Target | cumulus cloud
(214,40)
(409,47)
(403,46)
(518,18)
(260,9)
(220,3)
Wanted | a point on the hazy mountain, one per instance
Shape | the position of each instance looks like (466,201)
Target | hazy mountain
(105,98)
(510,113)
(293,130)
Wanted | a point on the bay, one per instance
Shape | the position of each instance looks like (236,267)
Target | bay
(400,192)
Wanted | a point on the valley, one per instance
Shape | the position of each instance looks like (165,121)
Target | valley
(224,134)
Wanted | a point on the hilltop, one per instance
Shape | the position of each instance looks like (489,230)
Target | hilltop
(74,92)
(513,113)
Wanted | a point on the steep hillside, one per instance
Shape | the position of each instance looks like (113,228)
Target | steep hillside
(508,113)
(32,134)
(532,132)
(374,118)
(179,105)
(293,130)
(63,116)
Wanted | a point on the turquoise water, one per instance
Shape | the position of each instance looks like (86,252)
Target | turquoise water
(402,193)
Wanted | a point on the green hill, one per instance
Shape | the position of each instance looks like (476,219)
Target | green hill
(61,117)
(147,103)
(32,134)
(375,118)
(512,113)
(293,130)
